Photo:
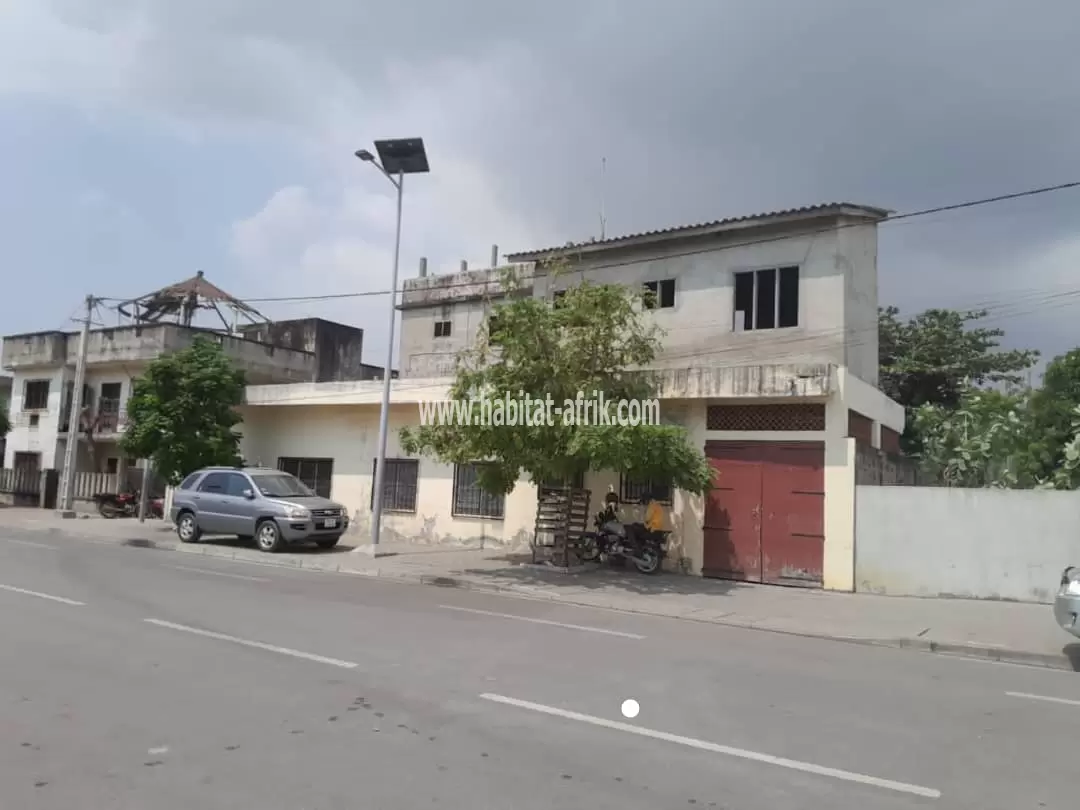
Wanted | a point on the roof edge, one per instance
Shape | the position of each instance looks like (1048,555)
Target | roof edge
(705,229)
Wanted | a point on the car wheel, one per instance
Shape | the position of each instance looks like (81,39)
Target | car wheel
(327,542)
(268,536)
(187,528)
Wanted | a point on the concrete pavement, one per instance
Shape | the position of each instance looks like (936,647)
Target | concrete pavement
(136,679)
(1002,631)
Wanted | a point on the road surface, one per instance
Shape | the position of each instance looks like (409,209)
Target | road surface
(135,678)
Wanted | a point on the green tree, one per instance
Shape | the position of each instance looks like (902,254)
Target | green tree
(5,420)
(591,339)
(1053,411)
(182,412)
(934,357)
(981,442)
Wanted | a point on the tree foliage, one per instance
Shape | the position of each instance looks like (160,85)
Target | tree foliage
(5,420)
(588,341)
(934,357)
(1053,413)
(182,412)
(982,442)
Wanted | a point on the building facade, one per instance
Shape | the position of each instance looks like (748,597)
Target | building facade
(769,359)
(43,367)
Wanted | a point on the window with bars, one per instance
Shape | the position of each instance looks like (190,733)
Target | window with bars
(767,299)
(472,501)
(662,294)
(635,490)
(316,473)
(400,480)
(442,329)
(35,395)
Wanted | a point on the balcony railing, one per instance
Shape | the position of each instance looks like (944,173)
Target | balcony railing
(107,418)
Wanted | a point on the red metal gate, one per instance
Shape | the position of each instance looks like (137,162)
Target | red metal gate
(764,519)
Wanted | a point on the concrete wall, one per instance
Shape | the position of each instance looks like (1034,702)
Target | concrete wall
(464,299)
(349,435)
(976,543)
(41,438)
(837,299)
(338,348)
(140,344)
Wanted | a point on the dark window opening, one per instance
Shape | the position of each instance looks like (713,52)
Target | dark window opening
(662,294)
(789,297)
(442,329)
(472,501)
(557,297)
(767,299)
(35,395)
(112,465)
(638,491)
(315,473)
(399,484)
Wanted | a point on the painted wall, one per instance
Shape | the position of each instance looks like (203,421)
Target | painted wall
(976,543)
(40,438)
(349,435)
(837,302)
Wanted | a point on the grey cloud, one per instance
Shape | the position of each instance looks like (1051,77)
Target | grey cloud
(703,109)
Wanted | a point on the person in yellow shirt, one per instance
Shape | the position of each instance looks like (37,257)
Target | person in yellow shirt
(654,514)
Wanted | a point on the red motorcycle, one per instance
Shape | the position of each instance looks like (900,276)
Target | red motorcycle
(126,504)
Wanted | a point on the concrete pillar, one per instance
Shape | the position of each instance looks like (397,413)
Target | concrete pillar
(839,562)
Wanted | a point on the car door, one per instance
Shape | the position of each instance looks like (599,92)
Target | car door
(238,507)
(210,502)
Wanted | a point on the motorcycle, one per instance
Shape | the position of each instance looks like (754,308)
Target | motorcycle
(633,541)
(126,504)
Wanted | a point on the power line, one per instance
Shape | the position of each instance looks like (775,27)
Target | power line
(891,218)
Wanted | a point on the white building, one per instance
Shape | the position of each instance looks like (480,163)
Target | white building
(769,361)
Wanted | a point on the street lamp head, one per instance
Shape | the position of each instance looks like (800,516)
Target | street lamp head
(402,156)
(365,155)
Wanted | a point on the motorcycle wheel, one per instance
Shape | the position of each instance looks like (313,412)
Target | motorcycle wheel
(107,510)
(648,562)
(589,549)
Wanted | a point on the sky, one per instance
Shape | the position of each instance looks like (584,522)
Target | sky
(143,140)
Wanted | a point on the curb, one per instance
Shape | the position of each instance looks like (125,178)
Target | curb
(327,565)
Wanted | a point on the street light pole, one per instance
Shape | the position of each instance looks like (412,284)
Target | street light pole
(397,158)
(384,413)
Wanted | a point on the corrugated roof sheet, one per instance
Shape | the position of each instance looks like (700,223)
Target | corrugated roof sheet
(719,223)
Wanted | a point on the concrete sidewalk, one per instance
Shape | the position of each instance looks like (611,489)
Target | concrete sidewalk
(1000,631)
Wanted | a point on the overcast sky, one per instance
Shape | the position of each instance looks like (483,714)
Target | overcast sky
(142,140)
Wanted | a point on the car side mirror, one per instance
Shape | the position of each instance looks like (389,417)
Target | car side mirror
(249,494)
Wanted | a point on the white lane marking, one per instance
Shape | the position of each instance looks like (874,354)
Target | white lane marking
(217,573)
(39,595)
(1045,698)
(259,645)
(545,621)
(704,745)
(30,543)
(162,750)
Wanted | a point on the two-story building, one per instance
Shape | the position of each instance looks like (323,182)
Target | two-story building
(769,359)
(43,364)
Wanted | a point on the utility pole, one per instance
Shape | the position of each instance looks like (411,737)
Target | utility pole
(144,491)
(67,482)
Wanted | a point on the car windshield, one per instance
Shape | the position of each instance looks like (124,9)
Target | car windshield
(281,485)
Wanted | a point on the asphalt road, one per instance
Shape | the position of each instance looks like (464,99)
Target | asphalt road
(134,678)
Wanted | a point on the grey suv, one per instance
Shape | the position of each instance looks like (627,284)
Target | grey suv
(269,505)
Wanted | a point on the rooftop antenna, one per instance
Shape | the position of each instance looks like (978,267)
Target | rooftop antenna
(603,219)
